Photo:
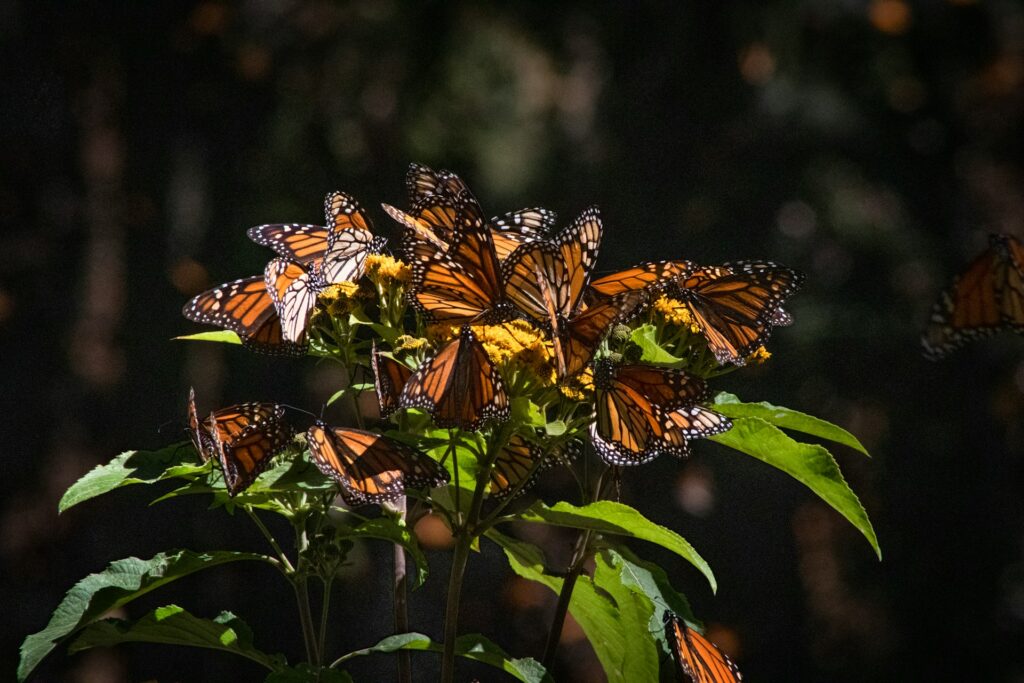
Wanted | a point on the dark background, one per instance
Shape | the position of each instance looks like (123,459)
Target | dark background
(871,145)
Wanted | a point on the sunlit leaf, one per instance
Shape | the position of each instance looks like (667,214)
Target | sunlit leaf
(222,336)
(117,585)
(472,646)
(634,652)
(645,337)
(172,625)
(810,464)
(786,418)
(609,517)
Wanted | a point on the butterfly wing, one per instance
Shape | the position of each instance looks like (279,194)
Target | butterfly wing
(422,182)
(389,378)
(350,240)
(294,291)
(680,425)
(459,386)
(519,227)
(664,387)
(269,340)
(734,305)
(241,306)
(515,468)
(200,437)
(651,277)
(1012,299)
(700,659)
(369,467)
(297,242)
(625,419)
(577,339)
(246,437)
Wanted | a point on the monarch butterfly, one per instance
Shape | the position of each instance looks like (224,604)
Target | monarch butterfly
(243,437)
(464,284)
(698,658)
(246,308)
(519,463)
(644,277)
(426,187)
(389,377)
(736,305)
(643,411)
(987,297)
(459,386)
(340,247)
(369,467)
(294,290)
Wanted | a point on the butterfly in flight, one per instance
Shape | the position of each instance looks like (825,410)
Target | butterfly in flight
(246,308)
(369,467)
(338,249)
(643,411)
(243,438)
(736,305)
(547,280)
(986,298)
(459,386)
(389,378)
(698,658)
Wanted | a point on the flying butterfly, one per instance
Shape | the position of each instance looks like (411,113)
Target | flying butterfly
(698,658)
(736,305)
(985,298)
(643,411)
(369,467)
(246,308)
(244,438)
(459,386)
(389,378)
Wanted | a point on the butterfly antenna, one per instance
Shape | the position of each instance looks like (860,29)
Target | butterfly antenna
(300,410)
(161,428)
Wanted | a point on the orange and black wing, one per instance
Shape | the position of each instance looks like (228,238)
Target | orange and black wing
(681,424)
(459,386)
(985,298)
(700,659)
(369,467)
(199,435)
(553,274)
(269,340)
(422,182)
(515,467)
(577,339)
(246,437)
(519,227)
(736,304)
(294,241)
(389,378)
(241,306)
(650,277)
(350,239)
(625,420)
(664,387)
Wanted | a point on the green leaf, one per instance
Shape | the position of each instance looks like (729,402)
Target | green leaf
(652,580)
(609,517)
(117,585)
(645,337)
(731,406)
(593,609)
(526,412)
(223,336)
(555,428)
(172,625)
(134,467)
(304,673)
(472,646)
(633,654)
(388,529)
(810,464)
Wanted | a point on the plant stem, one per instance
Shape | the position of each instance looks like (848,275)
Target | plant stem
(451,613)
(579,557)
(324,610)
(288,568)
(306,619)
(400,602)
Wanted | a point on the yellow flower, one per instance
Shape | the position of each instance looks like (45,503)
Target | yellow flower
(760,356)
(407,342)
(339,298)
(675,312)
(381,267)
(517,342)
(580,387)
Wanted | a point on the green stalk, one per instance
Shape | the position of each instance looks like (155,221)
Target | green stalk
(579,558)
(400,598)
(306,618)
(324,611)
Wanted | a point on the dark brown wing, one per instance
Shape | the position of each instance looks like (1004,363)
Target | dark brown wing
(515,468)
(389,378)
(246,437)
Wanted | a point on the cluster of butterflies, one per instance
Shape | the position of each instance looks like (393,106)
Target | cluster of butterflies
(468,270)
(269,313)
(986,298)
